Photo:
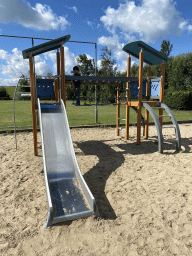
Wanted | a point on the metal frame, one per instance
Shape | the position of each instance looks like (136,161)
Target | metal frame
(158,127)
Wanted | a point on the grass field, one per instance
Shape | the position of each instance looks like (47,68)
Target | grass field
(83,115)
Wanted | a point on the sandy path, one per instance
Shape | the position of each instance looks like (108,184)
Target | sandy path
(144,198)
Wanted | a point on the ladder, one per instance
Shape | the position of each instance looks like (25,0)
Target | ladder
(174,125)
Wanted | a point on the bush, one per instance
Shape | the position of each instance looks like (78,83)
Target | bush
(4,95)
(180,100)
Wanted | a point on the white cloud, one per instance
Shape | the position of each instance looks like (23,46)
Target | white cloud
(70,60)
(40,17)
(16,66)
(8,82)
(73,8)
(149,21)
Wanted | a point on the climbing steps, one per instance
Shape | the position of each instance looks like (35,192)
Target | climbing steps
(175,125)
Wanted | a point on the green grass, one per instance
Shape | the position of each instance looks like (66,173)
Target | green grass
(83,115)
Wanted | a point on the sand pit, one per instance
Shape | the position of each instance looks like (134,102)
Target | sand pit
(144,198)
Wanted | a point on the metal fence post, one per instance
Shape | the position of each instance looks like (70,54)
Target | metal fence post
(96,110)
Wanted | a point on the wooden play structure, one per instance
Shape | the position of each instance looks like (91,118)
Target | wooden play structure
(59,79)
(149,55)
(138,49)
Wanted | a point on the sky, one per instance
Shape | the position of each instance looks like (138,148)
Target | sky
(111,23)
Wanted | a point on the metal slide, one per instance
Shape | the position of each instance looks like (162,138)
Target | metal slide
(68,195)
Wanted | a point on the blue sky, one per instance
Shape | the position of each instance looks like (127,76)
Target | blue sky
(108,23)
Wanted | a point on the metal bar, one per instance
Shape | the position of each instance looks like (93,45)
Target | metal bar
(102,79)
(168,127)
(164,116)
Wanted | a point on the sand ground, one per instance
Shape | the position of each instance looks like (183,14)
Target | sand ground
(144,197)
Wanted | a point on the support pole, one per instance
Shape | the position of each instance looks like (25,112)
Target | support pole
(118,110)
(63,94)
(140,97)
(34,107)
(147,98)
(37,119)
(58,74)
(128,94)
(96,109)
(162,92)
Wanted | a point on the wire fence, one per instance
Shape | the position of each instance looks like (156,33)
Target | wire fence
(95,101)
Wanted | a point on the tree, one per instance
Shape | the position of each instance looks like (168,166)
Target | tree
(4,95)
(24,81)
(87,67)
(166,48)
(49,75)
(134,70)
(107,63)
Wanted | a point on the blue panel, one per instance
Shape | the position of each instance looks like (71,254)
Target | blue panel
(45,90)
(134,89)
(155,88)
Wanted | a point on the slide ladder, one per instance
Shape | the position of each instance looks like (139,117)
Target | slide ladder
(175,125)
(68,195)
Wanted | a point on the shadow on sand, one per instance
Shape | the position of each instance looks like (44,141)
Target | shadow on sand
(110,160)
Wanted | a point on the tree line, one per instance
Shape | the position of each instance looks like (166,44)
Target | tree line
(178,73)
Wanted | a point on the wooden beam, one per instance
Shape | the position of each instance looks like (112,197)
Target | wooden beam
(147,98)
(133,104)
(140,98)
(161,99)
(118,111)
(58,74)
(63,94)
(33,105)
(152,103)
(128,94)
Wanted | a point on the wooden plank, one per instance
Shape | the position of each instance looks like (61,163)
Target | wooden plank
(140,98)
(147,98)
(134,103)
(128,93)
(151,103)
(58,73)
(161,99)
(33,105)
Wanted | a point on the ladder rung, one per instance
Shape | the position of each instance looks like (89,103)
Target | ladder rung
(156,107)
(171,140)
(168,127)
(163,116)
(121,119)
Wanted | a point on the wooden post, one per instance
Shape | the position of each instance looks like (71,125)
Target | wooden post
(162,92)
(58,74)
(33,105)
(147,98)
(56,89)
(128,94)
(140,97)
(63,95)
(118,111)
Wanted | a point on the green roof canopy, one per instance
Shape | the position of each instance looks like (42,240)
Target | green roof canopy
(49,46)
(151,56)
